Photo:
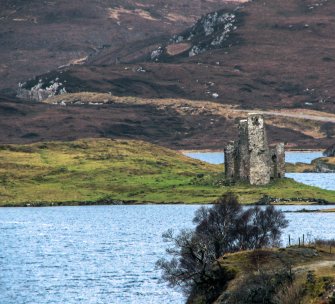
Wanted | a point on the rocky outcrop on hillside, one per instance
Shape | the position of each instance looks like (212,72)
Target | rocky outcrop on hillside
(213,31)
(210,32)
(41,90)
(37,38)
(266,54)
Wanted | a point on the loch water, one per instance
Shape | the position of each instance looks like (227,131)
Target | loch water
(107,254)
(103,254)
(321,180)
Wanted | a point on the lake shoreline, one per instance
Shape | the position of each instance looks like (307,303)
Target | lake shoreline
(330,210)
(114,172)
(222,150)
(138,203)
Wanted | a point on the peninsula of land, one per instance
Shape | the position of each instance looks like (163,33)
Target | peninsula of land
(107,171)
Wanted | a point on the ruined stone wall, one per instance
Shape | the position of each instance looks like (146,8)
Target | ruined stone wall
(230,162)
(242,152)
(273,163)
(277,161)
(259,171)
(280,150)
(250,159)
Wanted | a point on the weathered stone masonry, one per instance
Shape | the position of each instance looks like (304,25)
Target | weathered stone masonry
(250,158)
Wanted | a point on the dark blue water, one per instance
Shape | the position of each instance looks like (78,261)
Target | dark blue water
(101,254)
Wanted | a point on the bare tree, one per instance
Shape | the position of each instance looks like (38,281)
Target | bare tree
(225,227)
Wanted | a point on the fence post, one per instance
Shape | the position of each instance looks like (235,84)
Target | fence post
(289,240)
(299,241)
(303,240)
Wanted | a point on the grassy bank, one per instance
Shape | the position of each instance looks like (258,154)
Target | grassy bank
(322,164)
(133,171)
(286,275)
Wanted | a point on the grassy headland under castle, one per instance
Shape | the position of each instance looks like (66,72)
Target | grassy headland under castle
(105,171)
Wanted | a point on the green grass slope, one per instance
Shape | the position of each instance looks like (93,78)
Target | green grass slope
(102,170)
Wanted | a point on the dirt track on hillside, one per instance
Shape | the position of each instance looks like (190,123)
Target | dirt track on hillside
(177,124)
(185,106)
(325,117)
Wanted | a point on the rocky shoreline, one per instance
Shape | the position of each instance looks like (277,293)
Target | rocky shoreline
(331,210)
(265,201)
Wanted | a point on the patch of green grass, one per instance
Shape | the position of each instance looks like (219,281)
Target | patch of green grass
(95,169)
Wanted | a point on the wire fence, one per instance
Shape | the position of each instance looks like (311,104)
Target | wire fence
(307,241)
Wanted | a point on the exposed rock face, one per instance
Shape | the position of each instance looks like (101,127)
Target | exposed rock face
(330,151)
(250,159)
(41,90)
(323,166)
(212,31)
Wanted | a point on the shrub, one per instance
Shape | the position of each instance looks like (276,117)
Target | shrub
(261,287)
(290,294)
(223,228)
(321,242)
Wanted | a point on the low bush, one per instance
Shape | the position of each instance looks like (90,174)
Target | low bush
(223,228)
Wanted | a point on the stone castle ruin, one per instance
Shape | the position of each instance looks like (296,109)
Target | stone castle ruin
(250,159)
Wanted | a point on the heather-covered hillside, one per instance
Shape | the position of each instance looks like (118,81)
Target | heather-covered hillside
(38,36)
(266,54)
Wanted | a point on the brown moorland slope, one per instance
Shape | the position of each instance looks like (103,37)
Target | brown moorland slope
(276,54)
(178,124)
(279,56)
(38,36)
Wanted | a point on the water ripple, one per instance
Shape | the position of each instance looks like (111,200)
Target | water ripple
(87,262)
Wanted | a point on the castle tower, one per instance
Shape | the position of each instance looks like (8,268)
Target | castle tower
(250,159)
(259,168)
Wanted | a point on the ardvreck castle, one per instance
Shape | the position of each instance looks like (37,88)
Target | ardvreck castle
(250,158)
